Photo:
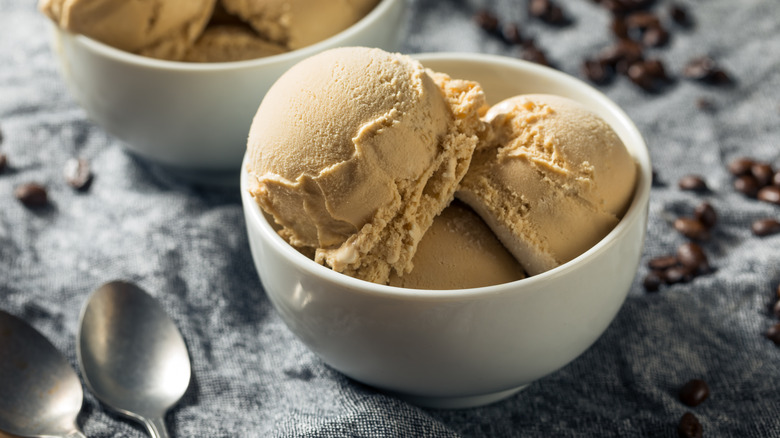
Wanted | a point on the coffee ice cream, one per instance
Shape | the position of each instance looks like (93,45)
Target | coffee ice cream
(354,151)
(554,180)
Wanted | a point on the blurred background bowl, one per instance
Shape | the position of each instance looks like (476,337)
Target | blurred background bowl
(193,118)
(467,347)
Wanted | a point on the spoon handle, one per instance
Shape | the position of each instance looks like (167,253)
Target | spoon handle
(156,427)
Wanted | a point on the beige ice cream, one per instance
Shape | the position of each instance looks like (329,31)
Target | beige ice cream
(156,28)
(459,251)
(553,182)
(206,30)
(354,151)
(299,23)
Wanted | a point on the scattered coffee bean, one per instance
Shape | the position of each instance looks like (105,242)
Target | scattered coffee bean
(652,281)
(655,37)
(663,262)
(693,183)
(3,162)
(510,33)
(747,185)
(773,333)
(689,427)
(547,11)
(534,54)
(678,274)
(597,71)
(32,195)
(680,15)
(691,228)
(776,178)
(705,69)
(763,173)
(765,227)
(694,392)
(487,20)
(649,74)
(619,27)
(740,166)
(777,292)
(691,256)
(78,174)
(770,194)
(642,21)
(776,309)
(705,213)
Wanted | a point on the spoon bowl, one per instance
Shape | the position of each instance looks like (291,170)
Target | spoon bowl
(40,392)
(131,354)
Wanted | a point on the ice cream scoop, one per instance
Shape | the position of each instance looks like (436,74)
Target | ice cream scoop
(298,23)
(156,28)
(459,251)
(553,182)
(354,151)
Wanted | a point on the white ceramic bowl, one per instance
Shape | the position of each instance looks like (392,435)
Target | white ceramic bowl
(468,347)
(192,117)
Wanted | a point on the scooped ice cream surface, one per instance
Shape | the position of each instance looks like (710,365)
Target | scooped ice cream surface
(354,151)
(553,182)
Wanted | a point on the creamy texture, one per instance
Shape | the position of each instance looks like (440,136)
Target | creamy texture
(554,180)
(156,28)
(356,150)
(299,23)
(459,251)
(206,30)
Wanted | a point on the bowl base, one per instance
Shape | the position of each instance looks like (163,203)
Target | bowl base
(471,401)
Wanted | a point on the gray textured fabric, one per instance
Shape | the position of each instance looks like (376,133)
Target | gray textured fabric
(251,377)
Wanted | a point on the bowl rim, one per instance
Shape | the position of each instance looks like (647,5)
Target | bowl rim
(368,21)
(635,212)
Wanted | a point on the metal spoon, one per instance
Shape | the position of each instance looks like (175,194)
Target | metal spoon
(131,354)
(40,393)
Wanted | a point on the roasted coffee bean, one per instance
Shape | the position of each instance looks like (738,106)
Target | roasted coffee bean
(639,75)
(776,178)
(765,227)
(680,15)
(740,166)
(619,27)
(510,33)
(689,427)
(691,228)
(770,194)
(678,274)
(747,185)
(547,11)
(597,71)
(774,333)
(534,54)
(487,20)
(652,281)
(693,183)
(692,256)
(694,392)
(3,162)
(622,55)
(663,262)
(776,309)
(705,213)
(642,21)
(655,37)
(32,195)
(777,292)
(706,70)
(763,173)
(78,174)
(655,67)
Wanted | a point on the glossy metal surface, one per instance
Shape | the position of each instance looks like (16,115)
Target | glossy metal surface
(40,393)
(131,354)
